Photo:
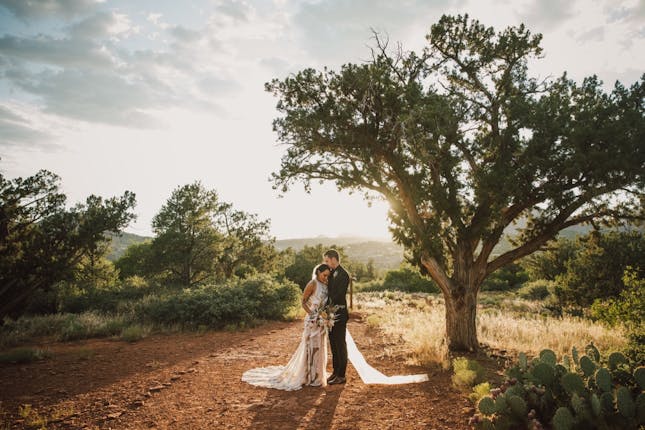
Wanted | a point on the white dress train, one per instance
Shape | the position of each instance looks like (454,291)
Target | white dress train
(308,365)
(370,375)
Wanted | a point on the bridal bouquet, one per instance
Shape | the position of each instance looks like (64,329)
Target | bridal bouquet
(327,315)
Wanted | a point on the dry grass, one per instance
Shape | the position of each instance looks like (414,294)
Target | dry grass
(416,324)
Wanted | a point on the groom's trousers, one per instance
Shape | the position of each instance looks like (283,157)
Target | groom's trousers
(339,347)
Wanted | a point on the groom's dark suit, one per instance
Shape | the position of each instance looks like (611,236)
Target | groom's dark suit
(338,284)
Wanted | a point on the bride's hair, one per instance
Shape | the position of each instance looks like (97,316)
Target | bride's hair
(319,268)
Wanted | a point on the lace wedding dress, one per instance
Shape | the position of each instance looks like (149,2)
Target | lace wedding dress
(308,365)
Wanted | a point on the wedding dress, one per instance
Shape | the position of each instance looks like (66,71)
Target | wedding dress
(308,365)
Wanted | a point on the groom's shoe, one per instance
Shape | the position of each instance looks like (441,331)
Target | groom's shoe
(331,378)
(337,380)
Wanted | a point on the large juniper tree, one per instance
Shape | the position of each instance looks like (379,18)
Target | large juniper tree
(462,142)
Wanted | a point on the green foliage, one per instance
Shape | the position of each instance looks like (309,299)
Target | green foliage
(536,290)
(214,306)
(597,271)
(134,333)
(406,279)
(467,373)
(552,262)
(42,241)
(304,261)
(628,310)
(506,278)
(545,392)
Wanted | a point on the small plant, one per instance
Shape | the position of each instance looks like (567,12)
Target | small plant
(467,373)
(134,333)
(588,392)
(23,355)
(32,417)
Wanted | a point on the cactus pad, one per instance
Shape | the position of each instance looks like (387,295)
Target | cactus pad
(573,383)
(543,374)
(596,407)
(575,356)
(593,352)
(607,402)
(603,379)
(523,361)
(625,404)
(639,375)
(587,366)
(487,406)
(616,359)
(562,420)
(518,406)
(547,356)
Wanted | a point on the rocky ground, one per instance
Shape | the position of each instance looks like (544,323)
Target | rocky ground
(192,381)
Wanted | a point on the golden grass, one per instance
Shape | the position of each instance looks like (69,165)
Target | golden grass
(415,323)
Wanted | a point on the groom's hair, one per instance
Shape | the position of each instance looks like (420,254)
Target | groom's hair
(332,253)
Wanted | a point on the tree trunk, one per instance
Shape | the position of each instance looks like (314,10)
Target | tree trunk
(461,316)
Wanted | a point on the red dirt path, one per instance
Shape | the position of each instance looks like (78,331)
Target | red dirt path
(192,381)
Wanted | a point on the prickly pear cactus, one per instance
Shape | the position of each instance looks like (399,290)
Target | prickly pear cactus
(573,383)
(543,374)
(487,406)
(596,407)
(616,359)
(639,376)
(518,406)
(624,402)
(603,379)
(548,357)
(587,366)
(563,419)
(593,352)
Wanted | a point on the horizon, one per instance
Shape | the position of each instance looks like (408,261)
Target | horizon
(116,95)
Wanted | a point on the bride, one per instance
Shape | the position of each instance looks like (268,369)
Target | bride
(308,365)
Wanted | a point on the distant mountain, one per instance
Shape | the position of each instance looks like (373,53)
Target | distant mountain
(121,242)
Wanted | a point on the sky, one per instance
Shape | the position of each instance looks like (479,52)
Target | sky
(150,95)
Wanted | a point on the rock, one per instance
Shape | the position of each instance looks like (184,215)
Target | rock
(156,388)
(195,363)
(175,378)
(114,415)
(166,384)
(191,370)
(138,403)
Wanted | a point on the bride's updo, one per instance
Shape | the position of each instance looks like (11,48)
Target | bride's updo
(319,269)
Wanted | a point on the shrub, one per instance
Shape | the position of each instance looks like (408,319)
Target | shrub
(261,297)
(467,373)
(134,332)
(406,279)
(536,290)
(506,278)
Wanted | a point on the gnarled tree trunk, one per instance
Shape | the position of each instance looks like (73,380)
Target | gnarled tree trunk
(461,316)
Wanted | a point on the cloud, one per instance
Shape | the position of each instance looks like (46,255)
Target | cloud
(596,34)
(547,14)
(237,10)
(333,29)
(87,71)
(29,9)
(17,130)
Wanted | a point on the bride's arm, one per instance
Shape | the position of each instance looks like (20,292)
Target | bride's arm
(309,290)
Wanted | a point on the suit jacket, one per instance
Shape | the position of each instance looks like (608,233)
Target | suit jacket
(337,290)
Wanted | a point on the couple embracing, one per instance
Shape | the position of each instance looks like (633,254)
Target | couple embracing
(325,293)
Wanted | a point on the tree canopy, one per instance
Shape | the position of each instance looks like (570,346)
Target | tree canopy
(462,143)
(42,242)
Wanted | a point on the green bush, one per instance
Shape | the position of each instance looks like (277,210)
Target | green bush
(536,290)
(509,277)
(596,271)
(245,300)
(628,309)
(23,355)
(405,279)
(582,392)
(467,373)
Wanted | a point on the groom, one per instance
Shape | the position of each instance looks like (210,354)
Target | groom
(338,284)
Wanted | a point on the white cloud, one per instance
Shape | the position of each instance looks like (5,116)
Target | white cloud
(30,9)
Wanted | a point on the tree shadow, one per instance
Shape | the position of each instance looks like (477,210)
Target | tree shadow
(311,408)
